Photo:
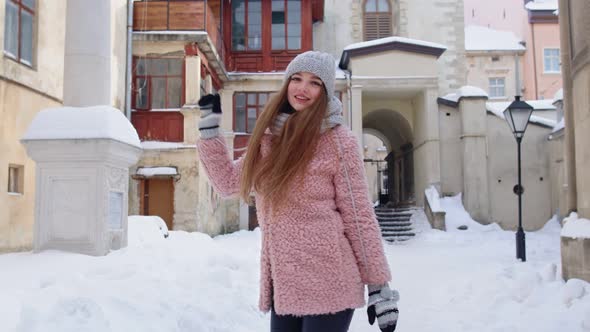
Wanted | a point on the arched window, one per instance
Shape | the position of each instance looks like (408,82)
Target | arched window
(377,19)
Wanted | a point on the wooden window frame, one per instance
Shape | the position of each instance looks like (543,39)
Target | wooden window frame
(266,59)
(285,28)
(33,12)
(266,30)
(259,108)
(149,77)
(378,15)
(246,27)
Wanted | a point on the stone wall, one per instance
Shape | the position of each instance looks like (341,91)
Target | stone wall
(480,68)
(185,188)
(24,91)
(502,170)
(439,21)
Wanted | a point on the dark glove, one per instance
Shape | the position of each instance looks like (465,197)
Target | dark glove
(210,106)
(281,118)
(383,306)
(212,102)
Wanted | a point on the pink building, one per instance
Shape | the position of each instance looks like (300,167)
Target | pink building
(535,22)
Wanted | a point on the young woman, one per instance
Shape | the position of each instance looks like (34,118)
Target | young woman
(320,239)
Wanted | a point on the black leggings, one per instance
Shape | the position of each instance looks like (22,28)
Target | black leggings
(337,322)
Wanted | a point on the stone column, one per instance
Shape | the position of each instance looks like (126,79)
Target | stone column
(227,101)
(192,90)
(88,55)
(475,164)
(191,116)
(355,120)
(571,197)
(192,93)
(426,145)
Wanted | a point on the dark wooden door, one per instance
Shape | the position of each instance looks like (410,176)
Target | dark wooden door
(159,199)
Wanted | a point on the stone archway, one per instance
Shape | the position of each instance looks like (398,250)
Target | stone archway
(396,133)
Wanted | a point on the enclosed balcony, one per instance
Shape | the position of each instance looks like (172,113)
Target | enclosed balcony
(196,22)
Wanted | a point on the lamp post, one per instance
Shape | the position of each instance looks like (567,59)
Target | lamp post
(517,115)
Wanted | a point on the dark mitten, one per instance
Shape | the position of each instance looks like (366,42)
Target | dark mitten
(281,118)
(210,106)
(212,102)
(383,306)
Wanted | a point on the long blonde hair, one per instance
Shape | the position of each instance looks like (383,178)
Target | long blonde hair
(290,153)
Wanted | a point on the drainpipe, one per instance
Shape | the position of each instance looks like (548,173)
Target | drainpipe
(347,74)
(535,61)
(517,89)
(129,63)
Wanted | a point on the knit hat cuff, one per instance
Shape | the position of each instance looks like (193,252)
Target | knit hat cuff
(318,63)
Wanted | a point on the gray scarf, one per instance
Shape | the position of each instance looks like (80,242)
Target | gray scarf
(332,119)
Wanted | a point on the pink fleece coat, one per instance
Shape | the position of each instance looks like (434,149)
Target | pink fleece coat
(312,259)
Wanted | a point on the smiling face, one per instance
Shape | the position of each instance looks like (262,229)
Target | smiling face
(304,89)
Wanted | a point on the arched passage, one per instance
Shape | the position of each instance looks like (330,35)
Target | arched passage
(397,136)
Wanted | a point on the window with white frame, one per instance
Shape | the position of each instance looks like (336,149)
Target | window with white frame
(15,179)
(497,87)
(551,60)
(18,30)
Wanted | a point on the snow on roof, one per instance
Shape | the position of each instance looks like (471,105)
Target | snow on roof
(387,40)
(465,91)
(154,171)
(559,126)
(171,32)
(538,105)
(479,38)
(575,227)
(499,107)
(157,145)
(340,74)
(542,5)
(279,74)
(82,123)
(558,95)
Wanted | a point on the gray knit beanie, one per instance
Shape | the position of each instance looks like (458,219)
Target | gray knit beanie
(323,66)
(318,63)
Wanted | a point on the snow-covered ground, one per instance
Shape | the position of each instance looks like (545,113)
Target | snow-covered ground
(449,281)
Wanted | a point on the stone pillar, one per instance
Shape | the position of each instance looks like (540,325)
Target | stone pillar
(568,106)
(575,258)
(191,116)
(192,90)
(426,145)
(475,164)
(82,178)
(355,119)
(88,55)
(227,101)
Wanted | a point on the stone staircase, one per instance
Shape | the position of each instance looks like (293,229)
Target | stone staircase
(395,223)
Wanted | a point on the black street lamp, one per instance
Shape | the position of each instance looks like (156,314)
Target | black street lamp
(517,115)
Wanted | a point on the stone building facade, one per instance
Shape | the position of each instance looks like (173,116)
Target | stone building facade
(391,88)
(60,56)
